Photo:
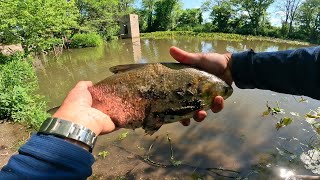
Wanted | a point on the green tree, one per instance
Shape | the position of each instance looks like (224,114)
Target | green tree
(37,24)
(308,20)
(289,7)
(222,15)
(125,7)
(256,9)
(166,14)
(99,16)
(149,7)
(190,17)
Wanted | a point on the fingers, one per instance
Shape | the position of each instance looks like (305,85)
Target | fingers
(200,116)
(108,125)
(83,84)
(184,57)
(218,104)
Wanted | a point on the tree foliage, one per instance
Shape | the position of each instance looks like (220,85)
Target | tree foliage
(309,20)
(149,7)
(98,16)
(190,17)
(37,24)
(256,11)
(165,15)
(221,15)
(18,86)
(289,7)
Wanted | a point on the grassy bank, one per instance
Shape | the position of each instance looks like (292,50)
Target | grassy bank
(18,85)
(216,36)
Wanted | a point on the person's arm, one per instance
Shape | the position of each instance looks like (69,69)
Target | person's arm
(292,71)
(50,157)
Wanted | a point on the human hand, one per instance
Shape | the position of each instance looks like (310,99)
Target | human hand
(77,108)
(214,63)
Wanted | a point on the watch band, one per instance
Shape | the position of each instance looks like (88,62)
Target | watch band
(66,129)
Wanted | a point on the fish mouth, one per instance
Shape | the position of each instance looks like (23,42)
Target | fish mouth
(228,90)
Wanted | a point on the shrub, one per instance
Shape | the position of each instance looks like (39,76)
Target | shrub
(86,40)
(18,99)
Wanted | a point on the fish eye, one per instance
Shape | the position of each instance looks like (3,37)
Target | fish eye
(226,90)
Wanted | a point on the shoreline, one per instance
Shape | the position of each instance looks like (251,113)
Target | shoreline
(218,36)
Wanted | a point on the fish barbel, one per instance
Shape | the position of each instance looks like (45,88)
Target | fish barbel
(150,95)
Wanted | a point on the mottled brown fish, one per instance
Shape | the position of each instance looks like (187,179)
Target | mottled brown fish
(150,95)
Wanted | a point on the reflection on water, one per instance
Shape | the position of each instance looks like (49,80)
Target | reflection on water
(237,138)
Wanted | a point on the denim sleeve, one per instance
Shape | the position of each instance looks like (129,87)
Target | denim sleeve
(48,157)
(293,71)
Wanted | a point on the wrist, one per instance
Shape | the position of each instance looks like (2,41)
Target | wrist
(78,143)
(228,73)
(74,133)
(75,118)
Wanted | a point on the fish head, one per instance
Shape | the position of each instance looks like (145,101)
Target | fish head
(213,86)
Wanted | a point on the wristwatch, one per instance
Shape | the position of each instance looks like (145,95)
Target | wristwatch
(66,129)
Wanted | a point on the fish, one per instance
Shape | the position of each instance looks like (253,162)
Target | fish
(153,94)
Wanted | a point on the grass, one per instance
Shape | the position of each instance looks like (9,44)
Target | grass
(216,36)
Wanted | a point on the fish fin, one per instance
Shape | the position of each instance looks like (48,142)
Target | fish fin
(125,67)
(128,67)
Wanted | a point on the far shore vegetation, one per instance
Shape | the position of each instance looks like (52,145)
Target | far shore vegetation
(41,26)
(47,25)
(217,36)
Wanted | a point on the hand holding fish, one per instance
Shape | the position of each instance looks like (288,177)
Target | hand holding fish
(214,63)
(149,95)
(77,109)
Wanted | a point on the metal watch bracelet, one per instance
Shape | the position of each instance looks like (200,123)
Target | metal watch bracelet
(66,129)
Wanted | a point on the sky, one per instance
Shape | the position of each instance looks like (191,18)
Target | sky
(274,14)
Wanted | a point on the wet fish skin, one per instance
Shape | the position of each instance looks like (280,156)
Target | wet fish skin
(150,95)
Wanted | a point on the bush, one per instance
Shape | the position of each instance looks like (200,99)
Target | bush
(86,40)
(18,99)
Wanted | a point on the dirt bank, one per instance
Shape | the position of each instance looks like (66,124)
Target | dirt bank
(119,162)
(12,136)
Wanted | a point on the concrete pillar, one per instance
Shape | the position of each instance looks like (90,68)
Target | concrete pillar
(129,26)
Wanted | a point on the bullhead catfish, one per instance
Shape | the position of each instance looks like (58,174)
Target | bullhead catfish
(150,95)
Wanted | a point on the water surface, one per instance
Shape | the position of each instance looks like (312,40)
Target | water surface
(237,138)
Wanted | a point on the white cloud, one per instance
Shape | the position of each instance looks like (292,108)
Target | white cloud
(276,18)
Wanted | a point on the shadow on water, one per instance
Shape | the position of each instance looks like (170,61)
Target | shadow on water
(238,138)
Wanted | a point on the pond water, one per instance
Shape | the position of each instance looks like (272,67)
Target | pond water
(238,138)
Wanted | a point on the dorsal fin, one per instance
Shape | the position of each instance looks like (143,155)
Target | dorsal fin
(128,67)
(124,67)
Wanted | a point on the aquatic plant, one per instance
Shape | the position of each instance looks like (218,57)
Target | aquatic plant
(216,36)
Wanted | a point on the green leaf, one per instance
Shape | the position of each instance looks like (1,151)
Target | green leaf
(266,113)
(313,116)
(286,121)
(103,154)
(123,135)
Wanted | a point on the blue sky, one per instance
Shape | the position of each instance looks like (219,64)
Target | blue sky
(274,14)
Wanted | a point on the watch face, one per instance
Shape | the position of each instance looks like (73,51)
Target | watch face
(67,129)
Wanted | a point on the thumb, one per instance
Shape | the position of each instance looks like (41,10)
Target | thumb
(104,122)
(184,57)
